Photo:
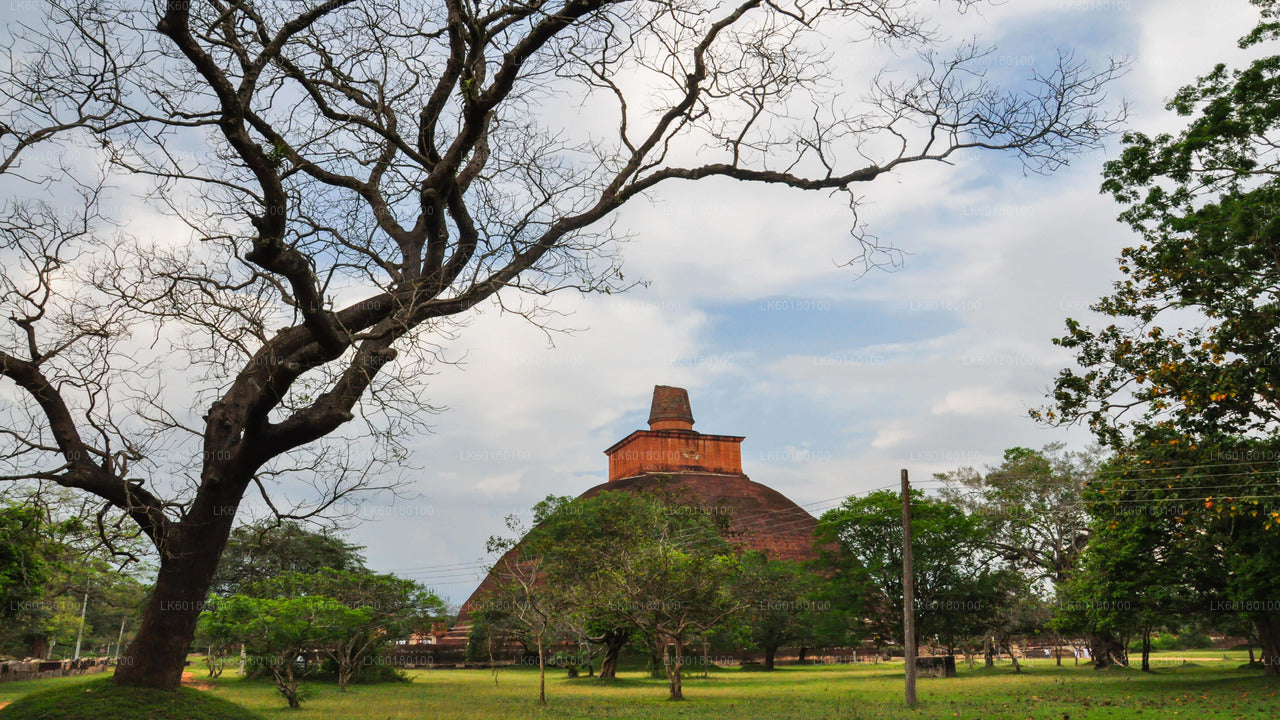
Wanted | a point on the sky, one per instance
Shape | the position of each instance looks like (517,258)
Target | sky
(837,379)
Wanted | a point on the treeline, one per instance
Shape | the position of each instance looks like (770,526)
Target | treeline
(287,603)
(1050,548)
(72,580)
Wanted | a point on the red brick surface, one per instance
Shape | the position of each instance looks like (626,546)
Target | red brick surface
(760,518)
(647,451)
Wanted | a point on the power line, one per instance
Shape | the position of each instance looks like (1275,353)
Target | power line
(439,574)
(752,518)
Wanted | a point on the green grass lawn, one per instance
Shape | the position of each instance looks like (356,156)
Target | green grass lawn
(11,691)
(1208,687)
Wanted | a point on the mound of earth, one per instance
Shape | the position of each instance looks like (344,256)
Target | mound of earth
(759,517)
(99,699)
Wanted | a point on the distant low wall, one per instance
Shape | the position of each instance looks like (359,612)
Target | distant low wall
(37,669)
(454,656)
(425,656)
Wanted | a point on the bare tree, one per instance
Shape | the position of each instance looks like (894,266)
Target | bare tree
(343,180)
(522,603)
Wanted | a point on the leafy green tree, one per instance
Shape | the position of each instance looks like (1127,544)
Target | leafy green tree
(396,607)
(279,632)
(269,548)
(612,567)
(23,570)
(1143,570)
(579,539)
(1011,608)
(674,592)
(779,603)
(78,565)
(1036,522)
(1031,506)
(524,599)
(1193,343)
(1181,539)
(949,553)
(576,542)
(1190,358)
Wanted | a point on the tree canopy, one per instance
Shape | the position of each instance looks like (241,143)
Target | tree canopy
(1193,343)
(268,548)
(950,560)
(1183,380)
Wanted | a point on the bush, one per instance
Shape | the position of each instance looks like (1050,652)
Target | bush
(370,672)
(1179,641)
(100,699)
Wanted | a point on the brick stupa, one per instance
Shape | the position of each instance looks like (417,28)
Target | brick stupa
(676,460)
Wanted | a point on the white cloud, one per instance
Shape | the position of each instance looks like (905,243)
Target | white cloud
(976,401)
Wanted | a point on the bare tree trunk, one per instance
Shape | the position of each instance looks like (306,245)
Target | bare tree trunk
(213,661)
(1105,650)
(1013,658)
(988,652)
(158,653)
(677,691)
(769,652)
(286,681)
(1269,640)
(493,665)
(657,659)
(38,645)
(609,665)
(542,673)
(346,668)
(1146,650)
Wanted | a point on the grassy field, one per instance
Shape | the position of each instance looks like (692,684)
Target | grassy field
(1206,687)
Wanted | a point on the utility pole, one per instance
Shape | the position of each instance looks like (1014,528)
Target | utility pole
(120,638)
(908,596)
(80,633)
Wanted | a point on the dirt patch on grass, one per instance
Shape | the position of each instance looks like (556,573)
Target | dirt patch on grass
(189,679)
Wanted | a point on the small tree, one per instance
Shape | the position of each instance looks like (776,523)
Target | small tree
(281,632)
(578,542)
(524,599)
(391,607)
(778,601)
(675,594)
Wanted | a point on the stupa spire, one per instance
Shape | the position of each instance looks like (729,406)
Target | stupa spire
(670,409)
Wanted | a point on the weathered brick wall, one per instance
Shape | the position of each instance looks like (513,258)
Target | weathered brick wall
(647,451)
